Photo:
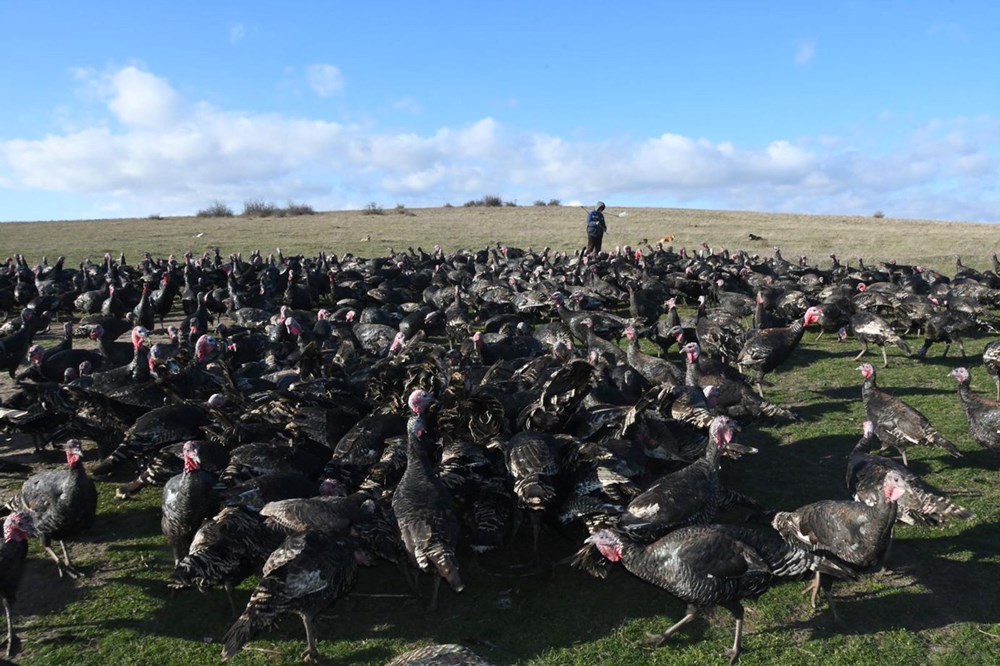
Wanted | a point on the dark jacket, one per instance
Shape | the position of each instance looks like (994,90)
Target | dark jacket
(596,225)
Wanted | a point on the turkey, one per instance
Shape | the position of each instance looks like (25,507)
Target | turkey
(921,505)
(14,347)
(870,328)
(64,504)
(691,495)
(720,334)
(533,463)
(445,654)
(326,513)
(226,550)
(423,508)
(656,370)
(851,532)
(897,424)
(145,315)
(118,354)
(17,527)
(730,395)
(983,415)
(769,348)
(947,327)
(306,574)
(709,565)
(176,422)
(991,361)
(188,500)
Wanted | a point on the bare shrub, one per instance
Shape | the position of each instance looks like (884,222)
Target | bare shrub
(259,208)
(488,200)
(373,208)
(216,209)
(299,209)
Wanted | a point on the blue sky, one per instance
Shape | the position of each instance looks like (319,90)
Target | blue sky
(130,109)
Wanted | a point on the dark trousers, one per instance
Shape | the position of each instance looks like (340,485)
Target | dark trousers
(594,243)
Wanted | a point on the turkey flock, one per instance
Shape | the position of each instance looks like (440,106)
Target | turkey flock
(310,419)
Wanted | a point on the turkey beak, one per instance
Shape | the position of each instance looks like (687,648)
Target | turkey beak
(736,450)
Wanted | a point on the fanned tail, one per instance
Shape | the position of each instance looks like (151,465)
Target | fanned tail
(933,510)
(258,614)
(937,439)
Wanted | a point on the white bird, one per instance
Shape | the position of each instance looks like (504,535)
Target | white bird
(199,235)
(624,213)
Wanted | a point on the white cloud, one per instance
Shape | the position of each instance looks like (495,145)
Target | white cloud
(325,80)
(237,32)
(142,99)
(151,150)
(805,52)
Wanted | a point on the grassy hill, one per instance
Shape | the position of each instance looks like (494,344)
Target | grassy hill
(936,602)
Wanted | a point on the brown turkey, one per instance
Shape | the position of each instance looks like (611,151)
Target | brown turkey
(850,532)
(869,328)
(771,347)
(897,424)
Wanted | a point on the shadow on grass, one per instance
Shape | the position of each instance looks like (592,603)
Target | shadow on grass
(504,614)
(919,589)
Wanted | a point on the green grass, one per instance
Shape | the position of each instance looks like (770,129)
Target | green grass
(935,603)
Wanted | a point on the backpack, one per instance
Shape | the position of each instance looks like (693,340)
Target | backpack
(595,224)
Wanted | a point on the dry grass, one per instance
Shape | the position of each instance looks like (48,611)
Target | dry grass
(935,604)
(933,244)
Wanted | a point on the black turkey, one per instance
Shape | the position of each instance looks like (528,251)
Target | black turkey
(445,654)
(17,527)
(983,415)
(731,394)
(227,549)
(920,505)
(64,504)
(991,361)
(851,532)
(771,347)
(304,575)
(691,495)
(709,565)
(423,508)
(533,462)
(189,499)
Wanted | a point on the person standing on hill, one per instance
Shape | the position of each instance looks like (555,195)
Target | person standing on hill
(596,228)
